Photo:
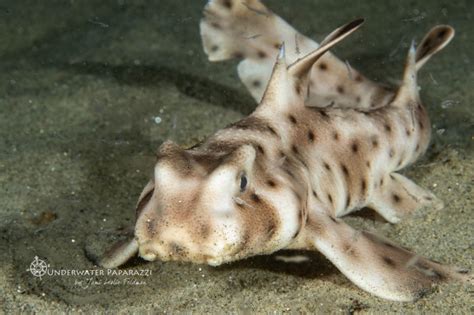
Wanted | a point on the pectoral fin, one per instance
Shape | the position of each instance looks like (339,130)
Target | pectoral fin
(119,254)
(374,264)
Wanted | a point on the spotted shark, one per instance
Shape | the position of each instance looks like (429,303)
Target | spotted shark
(323,142)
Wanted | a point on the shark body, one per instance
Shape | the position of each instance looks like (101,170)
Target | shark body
(323,142)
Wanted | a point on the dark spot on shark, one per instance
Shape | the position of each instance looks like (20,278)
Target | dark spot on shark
(323,66)
(387,244)
(294,149)
(400,162)
(271,183)
(420,124)
(253,123)
(388,261)
(297,88)
(324,114)
(349,250)
(271,229)
(345,170)
(272,131)
(330,198)
(363,184)
(375,142)
(255,198)
(355,147)
(292,119)
(227,4)
(290,173)
(326,166)
(238,55)
(261,54)
(396,198)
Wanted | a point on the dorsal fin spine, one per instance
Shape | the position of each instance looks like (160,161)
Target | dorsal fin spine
(409,88)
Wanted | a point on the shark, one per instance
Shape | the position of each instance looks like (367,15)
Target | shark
(323,142)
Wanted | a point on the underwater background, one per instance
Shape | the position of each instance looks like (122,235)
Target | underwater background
(90,89)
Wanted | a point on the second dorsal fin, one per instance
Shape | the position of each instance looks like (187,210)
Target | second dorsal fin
(301,67)
(435,40)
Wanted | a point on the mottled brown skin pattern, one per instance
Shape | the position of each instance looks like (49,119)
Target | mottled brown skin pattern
(357,158)
(393,138)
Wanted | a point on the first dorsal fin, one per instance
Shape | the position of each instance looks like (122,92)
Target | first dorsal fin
(277,94)
(288,82)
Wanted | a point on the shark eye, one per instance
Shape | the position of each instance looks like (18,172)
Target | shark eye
(243,182)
